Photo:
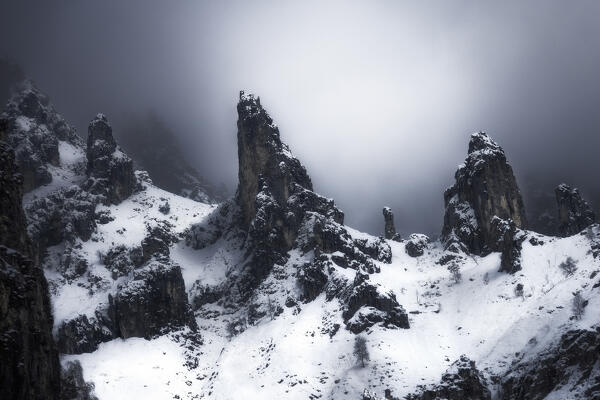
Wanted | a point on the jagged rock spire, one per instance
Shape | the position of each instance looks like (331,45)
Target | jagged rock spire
(390,228)
(485,187)
(110,171)
(574,213)
(263,157)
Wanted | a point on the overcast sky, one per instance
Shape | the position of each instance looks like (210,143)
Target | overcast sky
(376,98)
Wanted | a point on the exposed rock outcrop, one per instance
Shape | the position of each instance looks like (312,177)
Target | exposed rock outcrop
(570,366)
(153,302)
(82,335)
(66,214)
(74,387)
(574,213)
(390,228)
(368,304)
(109,170)
(462,381)
(29,367)
(485,187)
(34,129)
(274,193)
(265,163)
(508,240)
(275,211)
(416,244)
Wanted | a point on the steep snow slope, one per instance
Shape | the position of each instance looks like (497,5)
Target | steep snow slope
(296,355)
(128,228)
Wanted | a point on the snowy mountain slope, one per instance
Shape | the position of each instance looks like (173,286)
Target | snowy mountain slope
(294,356)
(159,296)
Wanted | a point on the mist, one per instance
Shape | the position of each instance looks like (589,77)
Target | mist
(377,99)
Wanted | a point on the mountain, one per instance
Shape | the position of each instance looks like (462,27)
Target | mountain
(270,295)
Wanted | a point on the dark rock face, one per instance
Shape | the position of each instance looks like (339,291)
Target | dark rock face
(416,244)
(390,229)
(313,278)
(30,367)
(574,213)
(367,305)
(275,211)
(485,187)
(508,240)
(34,128)
(110,171)
(153,302)
(570,365)
(82,335)
(274,192)
(261,154)
(323,235)
(462,381)
(64,215)
(74,387)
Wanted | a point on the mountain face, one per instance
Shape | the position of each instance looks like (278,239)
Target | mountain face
(268,294)
(29,367)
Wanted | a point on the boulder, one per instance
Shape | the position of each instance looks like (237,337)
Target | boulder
(416,244)
(368,304)
(574,213)
(485,187)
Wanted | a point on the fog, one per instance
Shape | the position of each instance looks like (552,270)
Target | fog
(376,98)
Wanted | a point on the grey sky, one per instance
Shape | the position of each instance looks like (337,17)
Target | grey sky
(377,98)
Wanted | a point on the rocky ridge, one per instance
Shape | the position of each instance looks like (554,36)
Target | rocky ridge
(276,211)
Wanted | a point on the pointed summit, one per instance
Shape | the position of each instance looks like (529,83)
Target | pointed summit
(485,187)
(574,213)
(263,158)
(109,170)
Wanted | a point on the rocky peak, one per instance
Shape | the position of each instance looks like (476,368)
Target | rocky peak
(109,170)
(485,187)
(574,213)
(263,158)
(34,128)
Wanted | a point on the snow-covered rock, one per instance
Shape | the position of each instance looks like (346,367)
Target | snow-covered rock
(485,187)
(574,213)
